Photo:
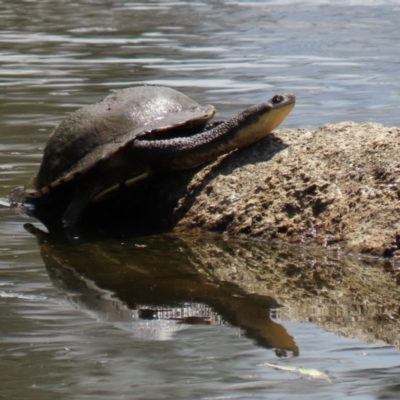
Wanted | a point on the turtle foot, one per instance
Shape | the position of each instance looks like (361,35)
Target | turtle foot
(73,233)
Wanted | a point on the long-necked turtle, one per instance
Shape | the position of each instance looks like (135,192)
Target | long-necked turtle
(134,133)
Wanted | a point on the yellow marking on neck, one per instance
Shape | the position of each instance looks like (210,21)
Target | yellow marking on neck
(266,124)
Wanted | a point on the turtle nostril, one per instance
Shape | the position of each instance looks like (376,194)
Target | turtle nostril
(277,99)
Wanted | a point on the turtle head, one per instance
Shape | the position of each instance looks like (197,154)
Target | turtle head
(259,120)
(274,111)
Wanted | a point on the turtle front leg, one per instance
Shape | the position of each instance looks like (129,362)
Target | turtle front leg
(85,194)
(75,210)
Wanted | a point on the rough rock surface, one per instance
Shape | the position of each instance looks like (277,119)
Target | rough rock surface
(337,186)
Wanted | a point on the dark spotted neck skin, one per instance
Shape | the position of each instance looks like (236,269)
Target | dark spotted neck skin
(188,152)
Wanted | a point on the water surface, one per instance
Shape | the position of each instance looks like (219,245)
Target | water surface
(67,334)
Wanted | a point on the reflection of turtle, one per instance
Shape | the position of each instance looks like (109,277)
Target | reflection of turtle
(134,133)
(154,288)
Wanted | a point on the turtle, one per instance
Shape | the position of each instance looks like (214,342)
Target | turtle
(133,134)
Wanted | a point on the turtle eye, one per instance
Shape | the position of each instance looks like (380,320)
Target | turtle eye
(277,99)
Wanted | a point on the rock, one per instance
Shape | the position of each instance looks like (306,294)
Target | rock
(337,186)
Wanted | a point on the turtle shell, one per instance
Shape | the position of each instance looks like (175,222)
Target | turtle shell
(97,132)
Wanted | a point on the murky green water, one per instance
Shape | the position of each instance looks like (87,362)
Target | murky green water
(179,318)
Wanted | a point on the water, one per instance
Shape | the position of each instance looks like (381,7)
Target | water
(63,334)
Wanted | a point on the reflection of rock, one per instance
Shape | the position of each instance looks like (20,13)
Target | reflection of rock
(343,294)
(239,280)
(149,289)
